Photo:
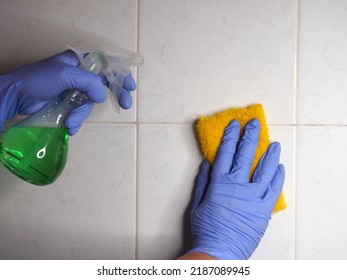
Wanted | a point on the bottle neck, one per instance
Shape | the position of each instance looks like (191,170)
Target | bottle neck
(71,100)
(56,111)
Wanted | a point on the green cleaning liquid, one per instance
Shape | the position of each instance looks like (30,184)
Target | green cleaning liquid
(36,154)
(35,149)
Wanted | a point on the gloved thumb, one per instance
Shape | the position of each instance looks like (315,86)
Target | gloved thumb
(278,181)
(201,184)
(274,191)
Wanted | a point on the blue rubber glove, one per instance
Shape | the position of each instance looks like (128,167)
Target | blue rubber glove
(230,214)
(26,90)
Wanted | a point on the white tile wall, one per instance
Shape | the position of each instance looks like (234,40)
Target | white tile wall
(321,192)
(204,56)
(126,190)
(168,161)
(323,62)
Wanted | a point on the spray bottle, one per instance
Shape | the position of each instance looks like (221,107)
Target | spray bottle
(36,148)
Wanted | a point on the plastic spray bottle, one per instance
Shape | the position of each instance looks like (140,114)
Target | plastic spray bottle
(36,148)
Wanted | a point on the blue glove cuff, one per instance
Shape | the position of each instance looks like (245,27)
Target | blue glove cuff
(215,252)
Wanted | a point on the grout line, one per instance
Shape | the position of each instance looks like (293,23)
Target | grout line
(136,122)
(137,51)
(296,66)
(295,184)
(296,129)
(136,139)
(136,188)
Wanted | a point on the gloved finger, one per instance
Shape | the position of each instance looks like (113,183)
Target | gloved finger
(246,151)
(129,83)
(226,152)
(278,180)
(73,131)
(274,191)
(201,184)
(75,119)
(268,164)
(87,82)
(67,57)
(125,99)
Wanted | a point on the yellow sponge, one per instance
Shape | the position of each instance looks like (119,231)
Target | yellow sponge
(211,130)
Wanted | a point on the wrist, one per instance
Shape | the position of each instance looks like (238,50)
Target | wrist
(197,256)
(219,249)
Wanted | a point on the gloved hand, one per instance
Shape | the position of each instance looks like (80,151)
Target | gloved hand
(29,88)
(230,213)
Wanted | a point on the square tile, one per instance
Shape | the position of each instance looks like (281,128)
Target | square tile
(37,29)
(321,192)
(88,213)
(168,161)
(323,62)
(206,56)
(279,239)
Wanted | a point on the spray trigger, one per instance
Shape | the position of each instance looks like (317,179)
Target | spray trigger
(112,63)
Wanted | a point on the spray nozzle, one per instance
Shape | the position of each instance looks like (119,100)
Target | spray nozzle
(112,63)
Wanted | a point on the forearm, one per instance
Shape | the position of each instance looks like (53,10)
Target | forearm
(197,256)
